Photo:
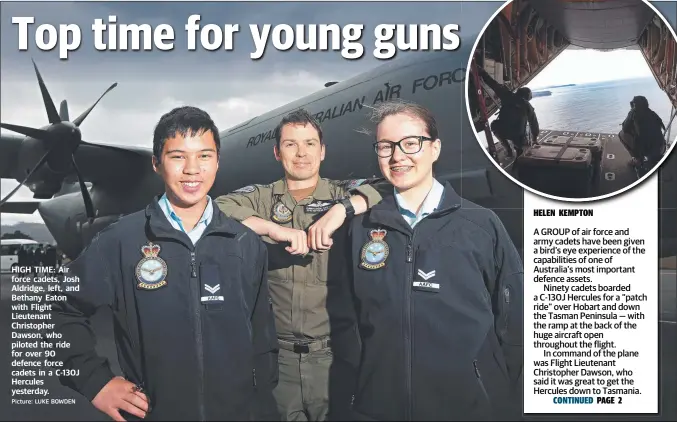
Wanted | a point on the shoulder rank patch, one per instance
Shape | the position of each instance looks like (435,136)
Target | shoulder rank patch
(151,271)
(246,189)
(352,184)
(375,252)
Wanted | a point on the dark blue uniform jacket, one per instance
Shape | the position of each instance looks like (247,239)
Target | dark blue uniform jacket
(441,322)
(203,347)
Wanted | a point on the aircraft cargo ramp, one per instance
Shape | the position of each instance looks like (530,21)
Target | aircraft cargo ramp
(611,172)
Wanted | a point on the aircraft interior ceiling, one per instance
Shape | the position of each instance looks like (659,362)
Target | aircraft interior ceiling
(598,25)
(527,35)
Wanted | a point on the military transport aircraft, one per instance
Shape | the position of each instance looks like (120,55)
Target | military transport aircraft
(51,161)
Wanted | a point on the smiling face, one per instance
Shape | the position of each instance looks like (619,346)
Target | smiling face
(300,151)
(405,171)
(188,168)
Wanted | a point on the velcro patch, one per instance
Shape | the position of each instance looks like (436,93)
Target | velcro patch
(318,206)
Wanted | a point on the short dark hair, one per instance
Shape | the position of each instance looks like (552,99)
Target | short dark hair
(183,120)
(391,108)
(640,101)
(523,93)
(297,117)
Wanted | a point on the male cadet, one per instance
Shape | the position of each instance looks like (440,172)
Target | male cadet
(298,283)
(194,328)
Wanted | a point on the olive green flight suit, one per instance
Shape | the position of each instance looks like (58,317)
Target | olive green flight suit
(298,289)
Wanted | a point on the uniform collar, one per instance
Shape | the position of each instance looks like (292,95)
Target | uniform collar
(167,209)
(159,225)
(322,190)
(430,204)
(387,211)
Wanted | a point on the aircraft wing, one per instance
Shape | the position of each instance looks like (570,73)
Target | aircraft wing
(100,164)
(108,165)
(113,165)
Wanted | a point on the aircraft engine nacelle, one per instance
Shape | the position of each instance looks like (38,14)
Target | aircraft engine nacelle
(88,230)
(67,221)
(45,182)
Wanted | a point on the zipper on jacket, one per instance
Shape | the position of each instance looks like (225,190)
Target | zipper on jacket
(193,270)
(254,376)
(198,335)
(505,313)
(479,380)
(407,317)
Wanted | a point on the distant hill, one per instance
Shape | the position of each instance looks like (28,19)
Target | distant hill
(36,231)
(553,87)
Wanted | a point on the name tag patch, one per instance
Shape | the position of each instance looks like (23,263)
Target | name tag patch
(318,206)
(426,286)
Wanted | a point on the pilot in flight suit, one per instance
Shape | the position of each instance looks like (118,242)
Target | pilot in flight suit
(299,285)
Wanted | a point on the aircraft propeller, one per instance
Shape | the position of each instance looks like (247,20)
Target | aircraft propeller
(61,139)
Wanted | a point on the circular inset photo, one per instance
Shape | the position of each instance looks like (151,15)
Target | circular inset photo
(575,100)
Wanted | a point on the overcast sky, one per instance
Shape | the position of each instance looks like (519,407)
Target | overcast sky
(228,84)
(566,68)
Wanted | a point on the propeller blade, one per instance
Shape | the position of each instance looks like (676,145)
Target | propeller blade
(40,134)
(46,98)
(20,207)
(78,121)
(63,111)
(89,207)
(37,166)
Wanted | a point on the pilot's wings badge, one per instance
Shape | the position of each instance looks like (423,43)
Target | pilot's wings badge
(151,271)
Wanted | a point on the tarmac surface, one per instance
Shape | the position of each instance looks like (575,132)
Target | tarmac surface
(82,410)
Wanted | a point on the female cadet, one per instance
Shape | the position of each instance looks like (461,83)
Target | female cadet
(437,287)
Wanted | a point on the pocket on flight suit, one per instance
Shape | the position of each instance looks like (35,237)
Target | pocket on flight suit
(320,268)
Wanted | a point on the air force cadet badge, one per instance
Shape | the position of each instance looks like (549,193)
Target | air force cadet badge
(151,270)
(281,214)
(375,252)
